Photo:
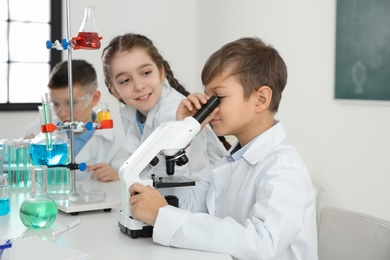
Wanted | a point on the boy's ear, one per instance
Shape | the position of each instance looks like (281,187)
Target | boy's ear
(263,98)
(96,97)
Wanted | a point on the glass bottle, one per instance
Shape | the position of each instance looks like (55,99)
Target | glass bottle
(103,113)
(38,210)
(87,38)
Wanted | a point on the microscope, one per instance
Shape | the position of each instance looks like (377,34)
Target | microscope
(169,139)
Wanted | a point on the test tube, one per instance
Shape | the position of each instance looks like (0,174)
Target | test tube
(26,162)
(11,162)
(18,148)
(1,162)
(4,151)
(46,119)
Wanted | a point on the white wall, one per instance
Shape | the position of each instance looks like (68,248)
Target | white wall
(344,144)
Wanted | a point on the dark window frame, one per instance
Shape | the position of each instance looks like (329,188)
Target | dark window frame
(55,55)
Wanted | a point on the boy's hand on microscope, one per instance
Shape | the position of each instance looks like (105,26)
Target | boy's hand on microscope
(190,105)
(145,202)
(103,172)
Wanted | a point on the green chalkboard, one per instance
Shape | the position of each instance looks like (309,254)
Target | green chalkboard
(363,50)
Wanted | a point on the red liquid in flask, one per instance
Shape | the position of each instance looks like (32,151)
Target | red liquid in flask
(87,41)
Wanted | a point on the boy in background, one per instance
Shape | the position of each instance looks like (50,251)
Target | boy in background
(99,149)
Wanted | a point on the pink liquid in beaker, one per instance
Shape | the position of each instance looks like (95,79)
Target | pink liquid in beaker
(87,41)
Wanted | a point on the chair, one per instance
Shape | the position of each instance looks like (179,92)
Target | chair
(347,235)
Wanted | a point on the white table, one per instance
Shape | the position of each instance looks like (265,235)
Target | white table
(98,234)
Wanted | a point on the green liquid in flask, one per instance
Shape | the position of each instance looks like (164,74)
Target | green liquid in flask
(38,213)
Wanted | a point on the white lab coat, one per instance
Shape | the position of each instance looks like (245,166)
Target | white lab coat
(105,146)
(261,206)
(205,149)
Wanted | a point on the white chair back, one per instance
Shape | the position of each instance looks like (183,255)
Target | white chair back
(347,235)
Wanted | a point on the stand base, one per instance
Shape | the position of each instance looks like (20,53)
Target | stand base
(93,196)
(75,207)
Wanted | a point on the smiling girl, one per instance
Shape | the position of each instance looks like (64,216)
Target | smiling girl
(138,76)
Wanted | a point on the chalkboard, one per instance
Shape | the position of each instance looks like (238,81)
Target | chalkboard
(362,50)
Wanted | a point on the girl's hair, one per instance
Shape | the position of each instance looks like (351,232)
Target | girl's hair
(130,41)
(83,73)
(254,63)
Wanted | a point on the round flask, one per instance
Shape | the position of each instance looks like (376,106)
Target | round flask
(38,210)
(48,148)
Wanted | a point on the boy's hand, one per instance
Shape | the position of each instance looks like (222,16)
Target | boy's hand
(190,105)
(145,202)
(30,136)
(103,172)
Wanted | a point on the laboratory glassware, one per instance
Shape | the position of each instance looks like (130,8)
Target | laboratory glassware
(48,148)
(38,210)
(88,37)
(103,113)
(4,195)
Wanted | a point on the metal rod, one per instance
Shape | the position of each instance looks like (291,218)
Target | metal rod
(70,87)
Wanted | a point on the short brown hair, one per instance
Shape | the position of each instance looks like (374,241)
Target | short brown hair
(254,63)
(83,73)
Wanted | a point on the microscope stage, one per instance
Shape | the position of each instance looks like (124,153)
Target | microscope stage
(168,182)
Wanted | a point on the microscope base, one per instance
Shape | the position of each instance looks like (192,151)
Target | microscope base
(146,231)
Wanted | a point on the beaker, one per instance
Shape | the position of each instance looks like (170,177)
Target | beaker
(87,38)
(38,210)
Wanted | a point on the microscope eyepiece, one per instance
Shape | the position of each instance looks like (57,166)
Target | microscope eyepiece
(206,109)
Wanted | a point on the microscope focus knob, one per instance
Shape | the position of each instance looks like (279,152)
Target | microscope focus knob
(154,162)
(182,160)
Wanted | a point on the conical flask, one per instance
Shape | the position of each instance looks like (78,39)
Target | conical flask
(88,37)
(38,210)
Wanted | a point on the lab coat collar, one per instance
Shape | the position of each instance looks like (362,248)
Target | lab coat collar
(267,142)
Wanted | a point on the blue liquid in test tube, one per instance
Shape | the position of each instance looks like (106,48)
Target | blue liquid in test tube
(4,206)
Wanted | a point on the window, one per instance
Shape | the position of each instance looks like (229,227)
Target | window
(25,62)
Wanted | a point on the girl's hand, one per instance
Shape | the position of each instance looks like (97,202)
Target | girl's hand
(190,105)
(145,202)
